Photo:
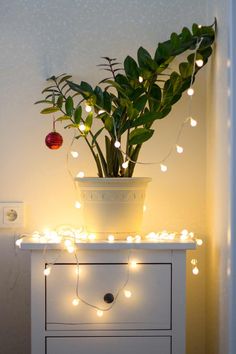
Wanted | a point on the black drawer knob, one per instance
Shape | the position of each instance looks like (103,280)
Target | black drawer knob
(108,298)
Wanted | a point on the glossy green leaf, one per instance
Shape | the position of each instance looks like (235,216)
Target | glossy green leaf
(49,110)
(69,106)
(140,135)
(78,114)
(131,68)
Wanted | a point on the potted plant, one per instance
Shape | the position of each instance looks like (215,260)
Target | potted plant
(126,103)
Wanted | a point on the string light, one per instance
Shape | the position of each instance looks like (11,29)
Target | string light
(77,205)
(179,149)
(199,241)
(91,237)
(127,293)
(47,271)
(88,108)
(19,242)
(129,239)
(163,167)
(144,208)
(75,302)
(82,127)
(71,249)
(117,144)
(99,313)
(111,238)
(195,270)
(190,91)
(67,243)
(133,264)
(81,174)
(193,122)
(125,164)
(140,79)
(199,63)
(138,238)
(74,154)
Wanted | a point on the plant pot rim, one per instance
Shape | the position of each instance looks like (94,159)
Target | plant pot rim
(113,179)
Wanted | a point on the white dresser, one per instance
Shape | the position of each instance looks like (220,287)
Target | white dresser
(150,321)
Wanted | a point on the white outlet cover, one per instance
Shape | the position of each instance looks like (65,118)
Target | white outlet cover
(11,214)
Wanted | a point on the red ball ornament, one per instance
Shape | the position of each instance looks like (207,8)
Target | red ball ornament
(54,140)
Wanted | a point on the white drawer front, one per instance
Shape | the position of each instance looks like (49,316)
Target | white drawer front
(148,308)
(109,345)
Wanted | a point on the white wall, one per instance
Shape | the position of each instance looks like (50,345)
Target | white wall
(40,38)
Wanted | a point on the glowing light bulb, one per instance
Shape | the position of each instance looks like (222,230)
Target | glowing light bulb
(74,154)
(144,208)
(195,270)
(184,232)
(117,144)
(19,242)
(140,79)
(190,91)
(125,164)
(88,108)
(138,238)
(199,26)
(80,174)
(179,149)
(71,249)
(68,243)
(127,293)
(133,264)
(101,111)
(193,122)
(92,237)
(199,63)
(191,234)
(77,205)
(99,313)
(163,168)
(129,239)
(194,261)
(75,302)
(47,271)
(82,127)
(199,241)
(111,238)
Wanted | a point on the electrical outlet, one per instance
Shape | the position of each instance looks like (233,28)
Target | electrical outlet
(11,214)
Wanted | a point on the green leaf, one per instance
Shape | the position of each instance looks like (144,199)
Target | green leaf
(145,118)
(60,101)
(78,114)
(140,103)
(69,106)
(65,78)
(49,110)
(108,123)
(140,135)
(145,60)
(96,135)
(131,68)
(99,96)
(89,122)
(62,118)
(43,101)
(106,101)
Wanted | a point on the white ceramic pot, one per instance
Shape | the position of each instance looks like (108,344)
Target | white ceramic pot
(112,205)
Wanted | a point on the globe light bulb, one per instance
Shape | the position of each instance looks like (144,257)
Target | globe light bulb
(195,270)
(127,293)
(193,122)
(111,238)
(199,241)
(75,302)
(199,26)
(82,127)
(47,271)
(125,164)
(117,144)
(80,174)
(74,154)
(163,167)
(88,108)
(71,249)
(129,239)
(144,208)
(138,238)
(99,313)
(19,242)
(77,205)
(133,264)
(199,63)
(179,149)
(140,79)
(190,91)
(68,243)
(92,237)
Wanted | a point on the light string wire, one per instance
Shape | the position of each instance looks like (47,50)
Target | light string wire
(117,293)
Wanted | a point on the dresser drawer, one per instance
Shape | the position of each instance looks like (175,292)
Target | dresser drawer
(108,345)
(149,307)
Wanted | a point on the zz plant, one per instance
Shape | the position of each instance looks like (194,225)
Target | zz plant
(129,100)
